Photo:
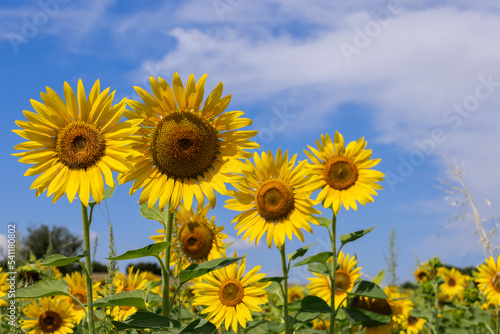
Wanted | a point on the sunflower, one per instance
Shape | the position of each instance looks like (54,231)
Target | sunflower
(424,273)
(188,149)
(344,174)
(488,279)
(73,143)
(78,288)
(275,199)
(4,287)
(413,325)
(321,324)
(345,277)
(387,307)
(49,315)
(127,283)
(230,295)
(454,282)
(197,238)
(295,293)
(402,303)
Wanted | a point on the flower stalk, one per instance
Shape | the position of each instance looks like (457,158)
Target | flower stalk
(86,220)
(333,271)
(166,268)
(284,266)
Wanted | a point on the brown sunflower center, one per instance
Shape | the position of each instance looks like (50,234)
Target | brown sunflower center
(80,145)
(380,306)
(231,292)
(422,276)
(184,145)
(496,282)
(49,321)
(340,173)
(451,282)
(197,240)
(412,320)
(274,200)
(341,282)
(82,297)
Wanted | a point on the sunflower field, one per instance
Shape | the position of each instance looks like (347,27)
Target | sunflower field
(179,149)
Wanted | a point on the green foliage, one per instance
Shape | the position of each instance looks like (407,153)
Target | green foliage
(58,238)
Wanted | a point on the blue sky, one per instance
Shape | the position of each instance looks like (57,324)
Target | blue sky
(416,79)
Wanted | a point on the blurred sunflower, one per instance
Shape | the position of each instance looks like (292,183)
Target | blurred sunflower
(345,277)
(343,173)
(230,295)
(387,307)
(321,324)
(488,279)
(454,282)
(275,199)
(424,273)
(404,305)
(188,149)
(4,287)
(73,143)
(413,325)
(197,238)
(295,293)
(127,283)
(78,288)
(49,315)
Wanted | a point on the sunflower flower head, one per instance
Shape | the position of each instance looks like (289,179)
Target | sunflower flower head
(231,295)
(49,315)
(346,275)
(78,289)
(4,287)
(188,148)
(488,279)
(454,282)
(344,174)
(196,239)
(75,143)
(274,198)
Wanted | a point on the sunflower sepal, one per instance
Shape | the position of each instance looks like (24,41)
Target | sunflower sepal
(350,237)
(108,192)
(142,320)
(325,222)
(150,250)
(196,270)
(59,260)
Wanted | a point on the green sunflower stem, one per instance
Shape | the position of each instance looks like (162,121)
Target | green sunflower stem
(333,239)
(88,266)
(286,317)
(166,270)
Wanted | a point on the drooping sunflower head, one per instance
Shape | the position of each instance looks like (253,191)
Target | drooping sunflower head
(275,199)
(49,315)
(196,239)
(75,142)
(381,306)
(488,279)
(346,275)
(231,295)
(344,174)
(188,148)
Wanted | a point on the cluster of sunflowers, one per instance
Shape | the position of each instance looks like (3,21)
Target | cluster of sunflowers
(179,150)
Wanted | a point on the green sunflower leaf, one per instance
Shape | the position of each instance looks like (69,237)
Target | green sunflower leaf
(319,268)
(346,238)
(299,252)
(59,260)
(368,289)
(325,222)
(105,195)
(317,258)
(379,278)
(136,298)
(274,288)
(155,213)
(277,279)
(314,304)
(199,326)
(150,250)
(358,316)
(45,289)
(197,270)
(151,320)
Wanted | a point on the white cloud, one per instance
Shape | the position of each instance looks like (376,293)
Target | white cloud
(3,246)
